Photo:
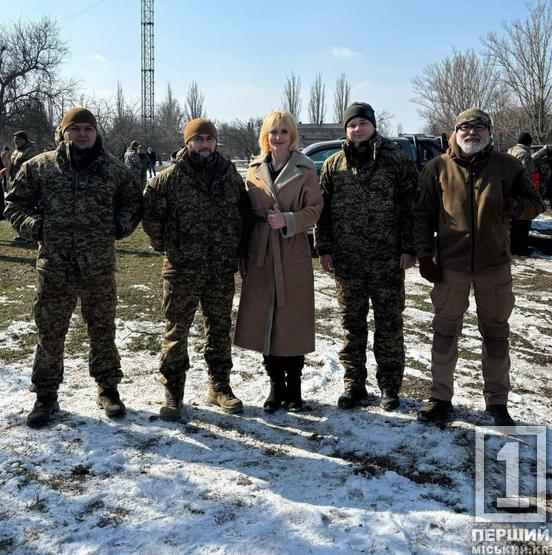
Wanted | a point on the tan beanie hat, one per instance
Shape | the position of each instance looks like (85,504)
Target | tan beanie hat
(199,126)
(77,115)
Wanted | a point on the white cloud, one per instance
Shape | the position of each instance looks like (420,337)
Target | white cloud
(344,52)
(98,58)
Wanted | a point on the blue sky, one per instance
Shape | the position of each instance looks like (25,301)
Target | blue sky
(240,52)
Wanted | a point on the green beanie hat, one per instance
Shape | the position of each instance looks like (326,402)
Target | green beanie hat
(475,115)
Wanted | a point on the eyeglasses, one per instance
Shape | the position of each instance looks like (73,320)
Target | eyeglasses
(478,127)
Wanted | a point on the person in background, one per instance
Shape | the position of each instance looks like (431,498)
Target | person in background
(152,161)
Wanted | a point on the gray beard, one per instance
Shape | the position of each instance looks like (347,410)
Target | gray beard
(469,147)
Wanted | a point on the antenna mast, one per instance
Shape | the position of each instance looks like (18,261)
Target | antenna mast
(148,103)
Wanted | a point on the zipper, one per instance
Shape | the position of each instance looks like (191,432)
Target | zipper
(472,210)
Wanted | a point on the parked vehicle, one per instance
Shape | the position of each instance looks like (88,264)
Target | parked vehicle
(419,148)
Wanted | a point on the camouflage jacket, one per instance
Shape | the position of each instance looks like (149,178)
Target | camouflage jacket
(367,214)
(200,224)
(19,156)
(523,154)
(75,215)
(133,162)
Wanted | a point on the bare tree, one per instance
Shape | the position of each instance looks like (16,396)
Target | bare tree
(193,107)
(524,57)
(31,55)
(239,139)
(317,101)
(291,97)
(451,86)
(341,97)
(383,120)
(168,123)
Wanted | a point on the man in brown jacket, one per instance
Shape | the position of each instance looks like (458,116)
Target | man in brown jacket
(466,199)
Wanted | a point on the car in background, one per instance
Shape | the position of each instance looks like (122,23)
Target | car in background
(419,148)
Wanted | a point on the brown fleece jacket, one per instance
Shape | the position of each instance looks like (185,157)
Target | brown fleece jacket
(464,206)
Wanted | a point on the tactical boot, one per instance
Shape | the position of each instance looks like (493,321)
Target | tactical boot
(109,400)
(436,411)
(44,407)
(172,406)
(221,395)
(353,396)
(389,399)
(500,415)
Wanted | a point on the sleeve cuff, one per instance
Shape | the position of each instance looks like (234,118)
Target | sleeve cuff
(290,229)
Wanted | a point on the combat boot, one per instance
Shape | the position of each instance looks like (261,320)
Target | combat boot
(352,396)
(389,399)
(222,396)
(500,415)
(172,405)
(44,407)
(436,411)
(109,400)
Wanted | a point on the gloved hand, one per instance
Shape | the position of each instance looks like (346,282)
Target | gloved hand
(429,270)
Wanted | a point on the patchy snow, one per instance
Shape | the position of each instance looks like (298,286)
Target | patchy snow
(323,481)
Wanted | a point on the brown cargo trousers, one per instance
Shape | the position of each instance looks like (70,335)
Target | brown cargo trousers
(494,300)
(55,302)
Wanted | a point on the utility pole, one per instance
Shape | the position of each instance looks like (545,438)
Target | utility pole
(148,102)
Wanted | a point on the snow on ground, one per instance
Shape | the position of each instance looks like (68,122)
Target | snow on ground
(323,481)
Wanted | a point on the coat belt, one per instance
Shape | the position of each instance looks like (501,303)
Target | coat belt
(271,237)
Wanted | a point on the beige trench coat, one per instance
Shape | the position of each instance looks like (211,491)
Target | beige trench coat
(276,311)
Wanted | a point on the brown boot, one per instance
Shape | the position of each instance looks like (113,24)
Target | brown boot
(172,405)
(109,400)
(222,396)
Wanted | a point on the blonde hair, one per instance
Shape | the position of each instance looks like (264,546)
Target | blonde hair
(271,121)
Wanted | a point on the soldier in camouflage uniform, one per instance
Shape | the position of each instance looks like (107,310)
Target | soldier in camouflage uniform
(133,162)
(75,201)
(364,236)
(193,213)
(24,150)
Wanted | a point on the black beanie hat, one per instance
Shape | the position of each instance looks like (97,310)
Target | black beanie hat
(525,139)
(21,135)
(359,110)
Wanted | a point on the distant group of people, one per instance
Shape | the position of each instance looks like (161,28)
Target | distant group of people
(374,217)
(140,161)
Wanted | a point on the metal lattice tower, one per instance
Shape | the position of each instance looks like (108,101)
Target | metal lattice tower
(148,103)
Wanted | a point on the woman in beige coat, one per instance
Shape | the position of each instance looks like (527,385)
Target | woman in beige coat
(276,312)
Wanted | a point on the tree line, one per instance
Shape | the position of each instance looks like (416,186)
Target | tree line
(510,78)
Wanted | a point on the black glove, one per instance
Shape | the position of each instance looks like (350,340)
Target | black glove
(429,270)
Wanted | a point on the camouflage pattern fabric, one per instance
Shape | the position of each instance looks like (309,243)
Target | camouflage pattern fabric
(75,215)
(366,224)
(197,217)
(19,157)
(133,163)
(367,214)
(55,302)
(181,296)
(384,287)
(523,154)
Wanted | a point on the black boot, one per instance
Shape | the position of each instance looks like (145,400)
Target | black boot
(278,390)
(500,415)
(294,367)
(44,407)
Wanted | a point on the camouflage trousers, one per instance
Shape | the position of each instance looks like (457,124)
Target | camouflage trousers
(385,290)
(55,302)
(181,296)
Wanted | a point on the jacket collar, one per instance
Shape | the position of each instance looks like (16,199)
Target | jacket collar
(294,168)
